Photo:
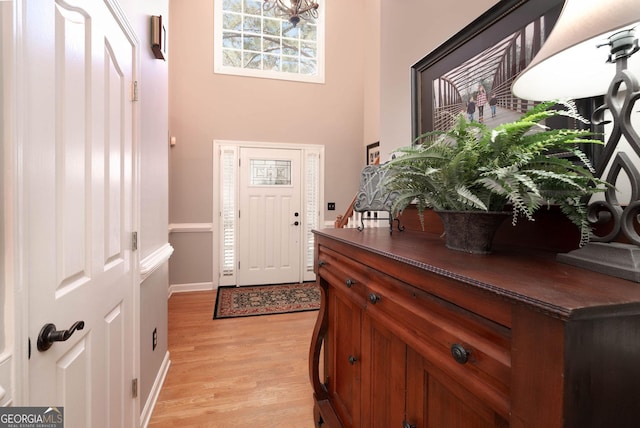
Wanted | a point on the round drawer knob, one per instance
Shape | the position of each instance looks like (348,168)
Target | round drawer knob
(352,359)
(374,298)
(350,282)
(459,354)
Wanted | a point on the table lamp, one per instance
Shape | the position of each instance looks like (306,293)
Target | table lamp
(590,52)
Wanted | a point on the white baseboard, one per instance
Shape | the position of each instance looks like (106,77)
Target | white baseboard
(147,411)
(195,286)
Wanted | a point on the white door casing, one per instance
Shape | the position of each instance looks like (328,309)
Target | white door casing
(76,138)
(226,203)
(270,216)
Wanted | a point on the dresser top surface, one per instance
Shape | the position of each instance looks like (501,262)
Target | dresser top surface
(533,278)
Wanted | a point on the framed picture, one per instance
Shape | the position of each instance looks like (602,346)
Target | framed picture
(373,152)
(472,72)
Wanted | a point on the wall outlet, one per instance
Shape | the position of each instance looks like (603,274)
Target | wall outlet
(331,206)
(155,338)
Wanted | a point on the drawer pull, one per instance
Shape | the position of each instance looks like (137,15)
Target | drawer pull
(459,354)
(352,359)
(406,424)
(374,298)
(350,282)
(321,263)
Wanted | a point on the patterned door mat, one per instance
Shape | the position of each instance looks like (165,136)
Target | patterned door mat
(232,301)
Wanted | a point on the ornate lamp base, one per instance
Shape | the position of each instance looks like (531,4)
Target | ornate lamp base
(612,258)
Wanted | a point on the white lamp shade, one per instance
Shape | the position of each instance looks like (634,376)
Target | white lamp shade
(569,64)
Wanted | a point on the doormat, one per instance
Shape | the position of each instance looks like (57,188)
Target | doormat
(232,301)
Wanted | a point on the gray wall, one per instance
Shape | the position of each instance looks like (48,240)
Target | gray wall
(154,199)
(205,106)
(153,292)
(410,29)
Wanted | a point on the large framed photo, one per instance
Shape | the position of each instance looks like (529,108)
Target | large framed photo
(472,72)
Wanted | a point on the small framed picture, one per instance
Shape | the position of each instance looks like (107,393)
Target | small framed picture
(373,153)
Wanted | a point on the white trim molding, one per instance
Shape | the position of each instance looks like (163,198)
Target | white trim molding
(6,361)
(190,227)
(154,260)
(147,411)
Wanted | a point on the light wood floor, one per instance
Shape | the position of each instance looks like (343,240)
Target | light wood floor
(240,372)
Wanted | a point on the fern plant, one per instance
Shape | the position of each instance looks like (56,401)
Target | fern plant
(518,165)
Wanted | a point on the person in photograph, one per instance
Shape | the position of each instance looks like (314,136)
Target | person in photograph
(481,100)
(471,108)
(493,102)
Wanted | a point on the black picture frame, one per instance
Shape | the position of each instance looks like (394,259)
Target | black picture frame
(466,49)
(373,152)
(482,36)
(503,26)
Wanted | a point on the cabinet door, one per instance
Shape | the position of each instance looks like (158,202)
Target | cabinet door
(383,376)
(434,400)
(343,362)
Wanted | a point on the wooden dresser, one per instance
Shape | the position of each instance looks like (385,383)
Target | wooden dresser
(411,334)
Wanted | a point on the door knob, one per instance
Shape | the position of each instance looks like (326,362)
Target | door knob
(49,334)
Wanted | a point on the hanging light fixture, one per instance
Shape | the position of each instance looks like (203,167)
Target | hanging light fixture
(293,10)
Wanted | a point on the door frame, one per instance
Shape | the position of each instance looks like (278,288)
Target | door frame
(16,291)
(217,278)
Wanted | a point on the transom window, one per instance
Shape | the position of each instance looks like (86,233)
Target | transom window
(250,41)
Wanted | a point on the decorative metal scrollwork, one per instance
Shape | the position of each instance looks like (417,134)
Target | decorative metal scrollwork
(610,211)
(372,197)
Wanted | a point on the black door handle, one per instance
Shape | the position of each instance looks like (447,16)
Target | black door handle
(49,334)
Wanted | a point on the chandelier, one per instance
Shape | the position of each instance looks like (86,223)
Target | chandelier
(293,9)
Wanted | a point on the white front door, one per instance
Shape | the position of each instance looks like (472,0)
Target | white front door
(76,122)
(271,217)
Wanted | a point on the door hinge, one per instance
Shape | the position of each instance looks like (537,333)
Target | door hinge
(134,241)
(134,388)
(134,90)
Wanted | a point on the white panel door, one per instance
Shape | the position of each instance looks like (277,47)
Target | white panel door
(270,223)
(77,196)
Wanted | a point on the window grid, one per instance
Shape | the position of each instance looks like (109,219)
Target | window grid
(257,41)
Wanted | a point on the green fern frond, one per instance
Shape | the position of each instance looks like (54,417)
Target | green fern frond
(471,167)
(467,197)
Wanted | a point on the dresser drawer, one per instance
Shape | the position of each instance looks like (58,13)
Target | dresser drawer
(344,274)
(468,348)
